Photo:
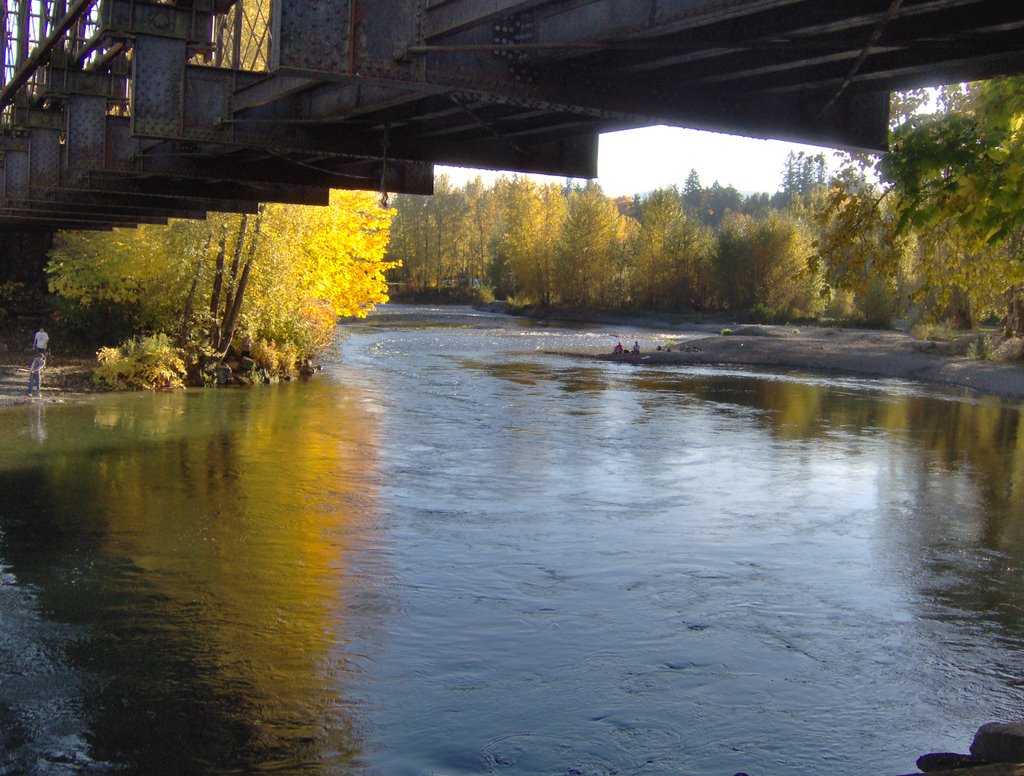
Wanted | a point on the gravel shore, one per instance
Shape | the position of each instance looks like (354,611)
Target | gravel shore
(863,352)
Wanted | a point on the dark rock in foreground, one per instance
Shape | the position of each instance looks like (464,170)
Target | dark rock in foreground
(997,750)
(1001,742)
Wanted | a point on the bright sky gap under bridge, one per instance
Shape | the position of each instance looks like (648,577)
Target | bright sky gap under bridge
(636,161)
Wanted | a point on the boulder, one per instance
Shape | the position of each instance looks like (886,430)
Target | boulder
(1001,742)
(946,761)
(223,374)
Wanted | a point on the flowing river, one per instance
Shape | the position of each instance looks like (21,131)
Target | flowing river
(455,553)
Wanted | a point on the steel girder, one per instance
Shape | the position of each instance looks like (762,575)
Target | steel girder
(128,106)
(102,148)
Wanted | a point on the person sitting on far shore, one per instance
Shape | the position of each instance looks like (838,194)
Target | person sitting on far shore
(35,374)
(617,349)
(636,348)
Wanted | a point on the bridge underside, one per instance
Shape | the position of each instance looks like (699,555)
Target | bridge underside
(119,112)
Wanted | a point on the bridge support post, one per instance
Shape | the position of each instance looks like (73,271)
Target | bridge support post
(158,73)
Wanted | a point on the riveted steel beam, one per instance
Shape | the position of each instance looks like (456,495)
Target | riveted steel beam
(20,220)
(105,211)
(443,17)
(314,35)
(158,93)
(191,22)
(52,211)
(101,189)
(61,80)
(325,170)
(370,95)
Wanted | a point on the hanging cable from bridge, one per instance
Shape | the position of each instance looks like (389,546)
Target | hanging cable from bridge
(384,198)
(894,6)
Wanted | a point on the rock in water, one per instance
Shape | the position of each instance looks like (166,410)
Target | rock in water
(1001,742)
(946,761)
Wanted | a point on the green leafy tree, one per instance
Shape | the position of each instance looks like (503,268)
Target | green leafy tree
(694,195)
(720,201)
(860,250)
(960,172)
(948,212)
(803,173)
(671,251)
(482,215)
(651,251)
(412,239)
(965,162)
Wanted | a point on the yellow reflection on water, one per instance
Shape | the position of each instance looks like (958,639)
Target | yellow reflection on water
(240,515)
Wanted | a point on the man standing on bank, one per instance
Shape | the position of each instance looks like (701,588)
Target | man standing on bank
(41,341)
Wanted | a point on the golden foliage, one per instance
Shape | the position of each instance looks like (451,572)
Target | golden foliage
(309,265)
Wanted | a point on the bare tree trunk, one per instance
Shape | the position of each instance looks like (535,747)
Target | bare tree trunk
(1015,312)
(959,310)
(232,313)
(218,284)
(231,284)
(186,313)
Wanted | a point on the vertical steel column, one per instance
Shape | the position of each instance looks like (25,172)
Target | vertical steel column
(16,170)
(4,41)
(22,36)
(43,20)
(44,161)
(236,49)
(158,75)
(85,117)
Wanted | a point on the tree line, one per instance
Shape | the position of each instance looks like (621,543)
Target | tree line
(931,231)
(690,249)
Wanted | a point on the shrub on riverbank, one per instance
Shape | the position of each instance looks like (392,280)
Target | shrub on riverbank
(279,360)
(146,363)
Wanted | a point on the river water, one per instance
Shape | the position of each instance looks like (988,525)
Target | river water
(455,553)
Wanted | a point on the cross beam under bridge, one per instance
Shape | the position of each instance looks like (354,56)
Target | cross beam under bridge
(118,112)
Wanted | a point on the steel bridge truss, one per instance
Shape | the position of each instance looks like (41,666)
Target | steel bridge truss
(119,112)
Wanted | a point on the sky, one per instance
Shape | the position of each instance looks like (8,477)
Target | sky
(639,160)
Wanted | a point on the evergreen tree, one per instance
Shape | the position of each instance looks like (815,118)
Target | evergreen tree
(693,193)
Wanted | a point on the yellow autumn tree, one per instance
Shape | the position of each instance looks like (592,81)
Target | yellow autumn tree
(283,275)
(314,265)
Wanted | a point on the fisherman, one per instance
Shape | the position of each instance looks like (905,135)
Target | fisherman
(35,374)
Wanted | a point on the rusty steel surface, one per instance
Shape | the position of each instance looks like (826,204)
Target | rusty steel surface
(134,111)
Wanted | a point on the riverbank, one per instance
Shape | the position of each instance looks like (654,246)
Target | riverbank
(819,349)
(863,352)
(65,376)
